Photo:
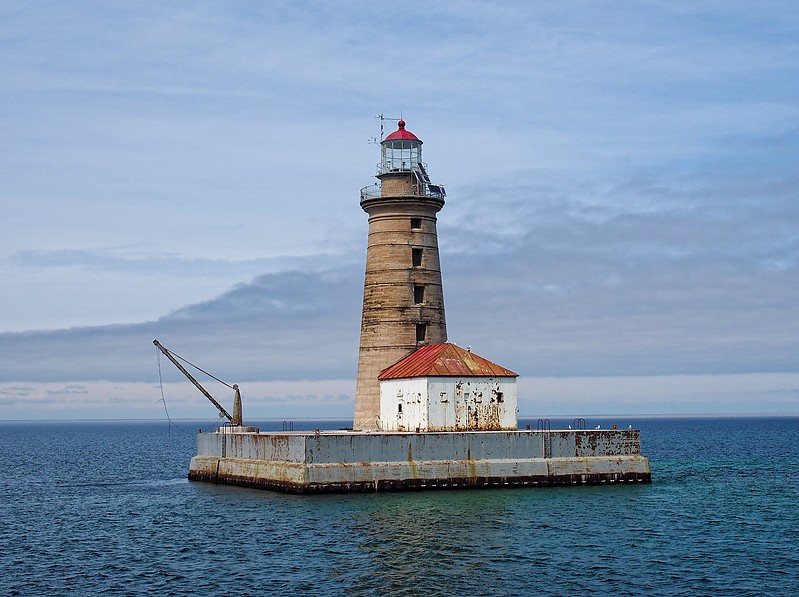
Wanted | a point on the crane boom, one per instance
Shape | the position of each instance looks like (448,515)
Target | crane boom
(235,419)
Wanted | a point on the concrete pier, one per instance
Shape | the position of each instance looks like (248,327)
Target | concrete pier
(345,461)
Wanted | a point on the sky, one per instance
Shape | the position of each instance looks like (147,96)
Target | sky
(621,226)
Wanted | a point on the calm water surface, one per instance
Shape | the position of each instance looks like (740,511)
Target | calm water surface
(105,508)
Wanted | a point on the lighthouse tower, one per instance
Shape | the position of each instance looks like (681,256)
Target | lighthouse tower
(403,301)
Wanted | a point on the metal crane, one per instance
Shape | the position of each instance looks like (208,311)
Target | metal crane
(236,418)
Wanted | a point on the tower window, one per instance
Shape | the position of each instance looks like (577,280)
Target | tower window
(416,257)
(500,397)
(418,294)
(421,331)
(399,408)
(416,223)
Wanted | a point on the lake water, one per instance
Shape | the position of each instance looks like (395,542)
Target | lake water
(104,507)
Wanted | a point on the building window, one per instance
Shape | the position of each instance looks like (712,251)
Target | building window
(416,223)
(500,397)
(418,294)
(421,331)
(416,257)
(399,408)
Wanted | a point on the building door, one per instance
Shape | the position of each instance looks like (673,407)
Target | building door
(461,413)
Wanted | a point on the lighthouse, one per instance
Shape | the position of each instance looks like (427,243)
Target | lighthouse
(403,300)
(428,413)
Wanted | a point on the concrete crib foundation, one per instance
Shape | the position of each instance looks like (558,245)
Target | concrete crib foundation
(346,461)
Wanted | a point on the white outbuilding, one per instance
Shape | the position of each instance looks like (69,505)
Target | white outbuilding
(443,387)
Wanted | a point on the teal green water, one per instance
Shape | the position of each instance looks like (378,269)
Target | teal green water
(93,508)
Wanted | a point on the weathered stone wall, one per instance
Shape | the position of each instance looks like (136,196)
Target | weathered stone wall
(342,447)
(340,461)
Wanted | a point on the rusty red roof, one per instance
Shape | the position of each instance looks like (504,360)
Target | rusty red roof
(401,133)
(444,360)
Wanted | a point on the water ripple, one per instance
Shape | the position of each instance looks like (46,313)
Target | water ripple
(106,509)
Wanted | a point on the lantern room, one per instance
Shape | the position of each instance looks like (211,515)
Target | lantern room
(402,152)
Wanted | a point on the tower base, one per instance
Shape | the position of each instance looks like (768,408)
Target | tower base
(338,461)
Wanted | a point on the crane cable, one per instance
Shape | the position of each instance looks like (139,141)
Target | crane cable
(190,364)
(163,399)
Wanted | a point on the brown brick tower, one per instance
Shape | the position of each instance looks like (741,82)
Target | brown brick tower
(403,301)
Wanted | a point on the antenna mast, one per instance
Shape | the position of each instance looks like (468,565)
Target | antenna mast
(382,132)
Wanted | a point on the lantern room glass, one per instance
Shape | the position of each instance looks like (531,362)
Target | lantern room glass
(401,155)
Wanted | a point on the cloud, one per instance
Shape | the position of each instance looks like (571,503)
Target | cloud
(622,184)
(70,390)
(176,399)
(538,397)
(139,261)
(764,393)
(637,277)
(292,325)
